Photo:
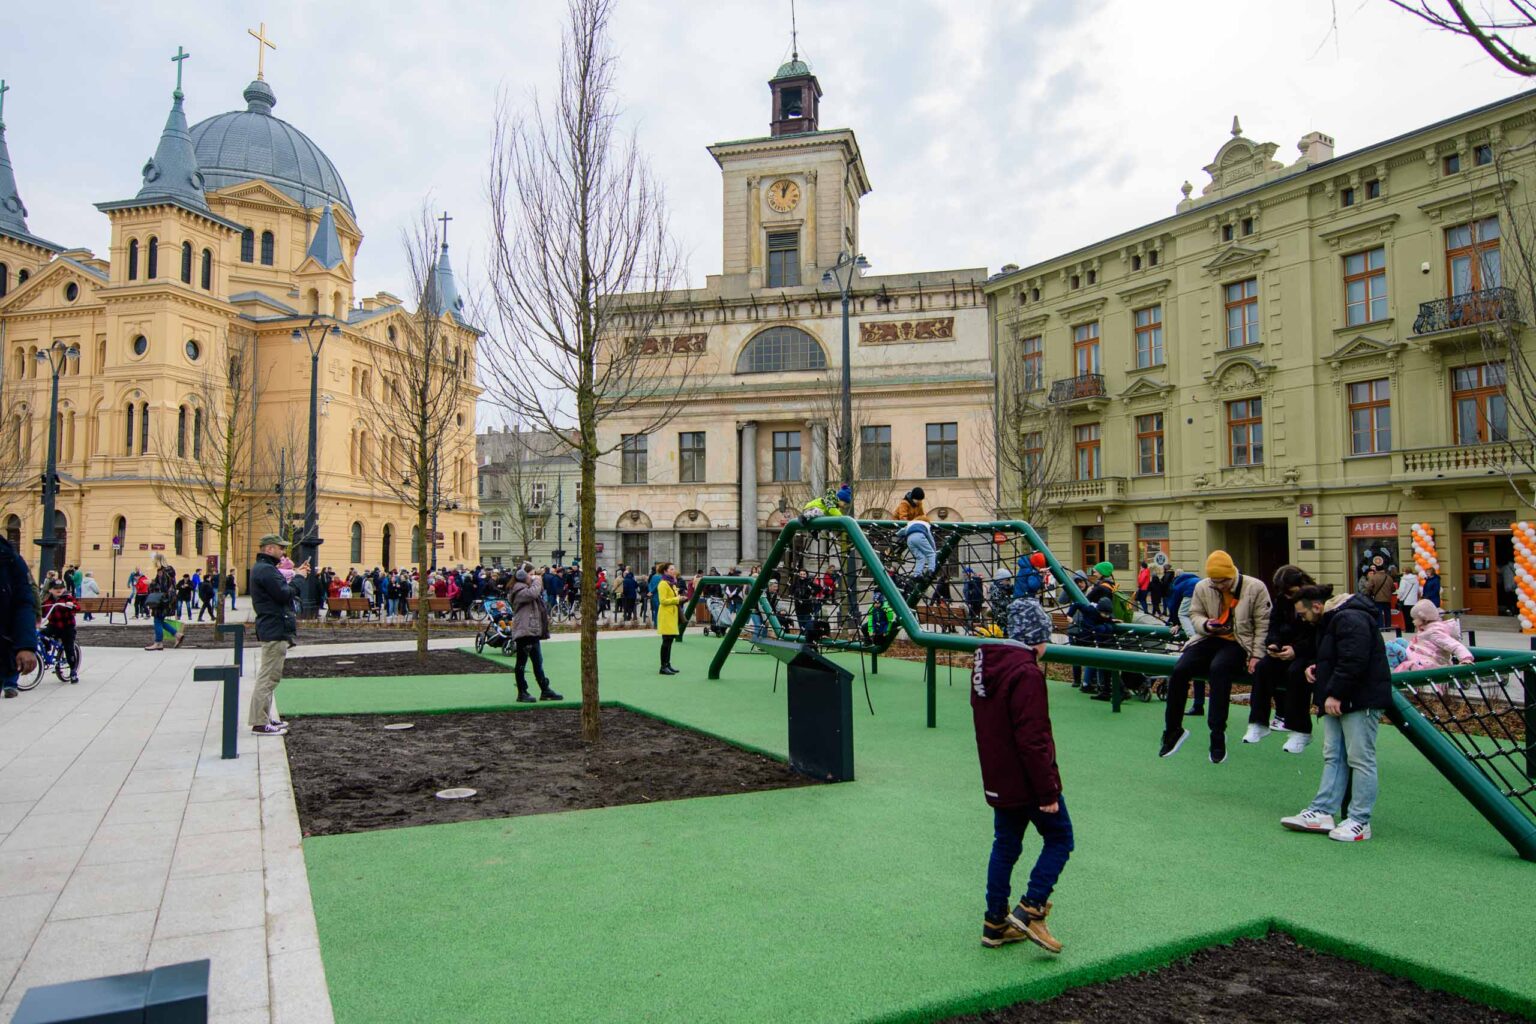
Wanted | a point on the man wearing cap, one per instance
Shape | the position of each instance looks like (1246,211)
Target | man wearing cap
(1230,616)
(272,597)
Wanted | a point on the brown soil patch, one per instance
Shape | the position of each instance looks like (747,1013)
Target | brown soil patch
(350,774)
(393,663)
(1273,980)
(201,635)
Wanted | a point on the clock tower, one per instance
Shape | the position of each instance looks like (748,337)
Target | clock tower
(791,198)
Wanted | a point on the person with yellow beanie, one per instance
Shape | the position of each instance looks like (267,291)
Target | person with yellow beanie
(1230,613)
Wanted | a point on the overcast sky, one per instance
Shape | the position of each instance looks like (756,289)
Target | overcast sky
(993,132)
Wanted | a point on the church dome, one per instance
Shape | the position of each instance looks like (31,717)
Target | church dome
(244,145)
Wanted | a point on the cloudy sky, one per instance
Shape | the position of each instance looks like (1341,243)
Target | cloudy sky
(993,131)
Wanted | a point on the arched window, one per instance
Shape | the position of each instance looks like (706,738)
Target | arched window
(779,349)
(13,530)
(133,259)
(268,248)
(120,530)
(338,306)
(179,535)
(130,419)
(357,543)
(5,279)
(181,432)
(247,246)
(207,280)
(197,433)
(199,530)
(362,454)
(152,258)
(186,262)
(143,427)
(21,277)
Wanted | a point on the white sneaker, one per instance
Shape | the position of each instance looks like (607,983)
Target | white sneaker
(1297,743)
(1255,733)
(1351,831)
(1277,725)
(1309,821)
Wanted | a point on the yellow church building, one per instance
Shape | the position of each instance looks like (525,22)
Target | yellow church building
(241,237)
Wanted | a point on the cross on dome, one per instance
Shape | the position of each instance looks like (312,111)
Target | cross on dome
(181,55)
(263,44)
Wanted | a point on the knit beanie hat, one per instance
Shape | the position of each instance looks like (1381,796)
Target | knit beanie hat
(1219,566)
(845,493)
(1105,569)
(1037,559)
(1426,611)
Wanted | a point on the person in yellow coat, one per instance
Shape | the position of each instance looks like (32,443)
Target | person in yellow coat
(669,601)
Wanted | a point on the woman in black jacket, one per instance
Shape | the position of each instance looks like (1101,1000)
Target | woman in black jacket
(1281,674)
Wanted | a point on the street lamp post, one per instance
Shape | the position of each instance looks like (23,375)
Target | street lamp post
(313,334)
(559,522)
(843,273)
(55,356)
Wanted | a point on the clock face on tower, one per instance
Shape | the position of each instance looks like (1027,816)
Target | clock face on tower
(783,196)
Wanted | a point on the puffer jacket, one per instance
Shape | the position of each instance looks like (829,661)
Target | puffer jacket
(1351,658)
(1250,619)
(18,609)
(1011,713)
(528,611)
(1437,645)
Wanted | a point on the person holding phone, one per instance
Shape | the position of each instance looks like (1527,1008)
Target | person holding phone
(273,597)
(1280,679)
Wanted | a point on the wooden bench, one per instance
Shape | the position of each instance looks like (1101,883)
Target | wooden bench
(435,605)
(108,606)
(947,620)
(359,606)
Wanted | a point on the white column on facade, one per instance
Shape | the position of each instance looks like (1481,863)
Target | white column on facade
(810,246)
(818,458)
(755,257)
(749,491)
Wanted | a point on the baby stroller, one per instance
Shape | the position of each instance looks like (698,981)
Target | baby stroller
(498,626)
(719,616)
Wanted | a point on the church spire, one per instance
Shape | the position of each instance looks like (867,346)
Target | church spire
(13,214)
(442,290)
(172,173)
(325,247)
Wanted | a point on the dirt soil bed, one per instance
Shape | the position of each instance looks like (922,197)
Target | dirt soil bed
(394,663)
(350,774)
(200,635)
(1254,981)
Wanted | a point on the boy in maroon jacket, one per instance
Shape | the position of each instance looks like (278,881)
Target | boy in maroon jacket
(1020,781)
(59,609)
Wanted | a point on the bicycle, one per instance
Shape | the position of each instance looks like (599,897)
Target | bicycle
(50,654)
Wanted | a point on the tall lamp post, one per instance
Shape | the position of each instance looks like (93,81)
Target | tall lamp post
(313,334)
(559,551)
(843,273)
(55,356)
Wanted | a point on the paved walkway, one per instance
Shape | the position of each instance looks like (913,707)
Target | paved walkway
(126,842)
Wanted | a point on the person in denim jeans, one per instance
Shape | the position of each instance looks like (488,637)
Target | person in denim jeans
(1353,686)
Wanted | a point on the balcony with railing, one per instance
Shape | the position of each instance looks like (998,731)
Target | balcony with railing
(1085,390)
(1462,462)
(1466,314)
(1086,492)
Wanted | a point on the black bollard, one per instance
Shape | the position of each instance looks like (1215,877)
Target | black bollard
(231,677)
(236,630)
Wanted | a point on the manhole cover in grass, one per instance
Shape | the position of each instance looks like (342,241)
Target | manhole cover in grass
(521,762)
(400,726)
(457,793)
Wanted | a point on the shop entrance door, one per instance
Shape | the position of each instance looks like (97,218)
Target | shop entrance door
(1480,573)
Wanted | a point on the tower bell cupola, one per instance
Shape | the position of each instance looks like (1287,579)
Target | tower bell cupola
(796,94)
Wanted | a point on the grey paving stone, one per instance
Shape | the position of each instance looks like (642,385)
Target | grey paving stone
(123,887)
(37,831)
(23,917)
(237,977)
(212,903)
(217,853)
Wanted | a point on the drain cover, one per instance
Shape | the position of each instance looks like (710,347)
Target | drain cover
(455,794)
(399,726)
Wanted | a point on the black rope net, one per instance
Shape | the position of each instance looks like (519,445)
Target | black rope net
(1485,714)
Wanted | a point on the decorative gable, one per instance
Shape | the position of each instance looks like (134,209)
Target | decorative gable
(45,291)
(1365,348)
(256,193)
(1146,391)
(1243,373)
(1239,160)
(1234,259)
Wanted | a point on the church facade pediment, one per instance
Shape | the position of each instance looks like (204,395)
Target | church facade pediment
(1365,347)
(1234,258)
(1243,373)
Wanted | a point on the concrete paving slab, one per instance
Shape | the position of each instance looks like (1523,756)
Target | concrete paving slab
(217,853)
(39,831)
(237,978)
(43,870)
(24,917)
(87,947)
(212,903)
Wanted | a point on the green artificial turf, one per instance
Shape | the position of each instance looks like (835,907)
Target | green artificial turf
(862,901)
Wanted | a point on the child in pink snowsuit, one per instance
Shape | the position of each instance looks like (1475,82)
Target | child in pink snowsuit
(1435,643)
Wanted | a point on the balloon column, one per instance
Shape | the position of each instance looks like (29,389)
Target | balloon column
(1525,575)
(1424,550)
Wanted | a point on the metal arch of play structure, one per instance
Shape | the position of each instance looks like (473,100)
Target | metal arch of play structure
(1505,796)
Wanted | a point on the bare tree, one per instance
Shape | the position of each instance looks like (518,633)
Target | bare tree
(876,480)
(208,455)
(582,263)
(421,399)
(1028,440)
(519,472)
(277,478)
(1492,28)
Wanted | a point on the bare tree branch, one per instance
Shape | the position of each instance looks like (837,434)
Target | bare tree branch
(1491,31)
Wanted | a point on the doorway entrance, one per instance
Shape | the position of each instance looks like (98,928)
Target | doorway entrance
(1091,548)
(1488,573)
(1258,546)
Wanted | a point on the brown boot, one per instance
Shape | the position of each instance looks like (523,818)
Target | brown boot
(1000,933)
(1030,919)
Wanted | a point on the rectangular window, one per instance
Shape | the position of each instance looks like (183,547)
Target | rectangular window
(537,493)
(197,538)
(1151,541)
(874,453)
(1242,300)
(1482,155)
(1085,348)
(1451,164)
(1034,456)
(635,548)
(538,530)
(1365,286)
(1149,337)
(943,450)
(1247,225)
(692,552)
(1085,444)
(1226,232)
(1478,401)
(690,457)
(1032,360)
(786,455)
(632,458)
(783,259)
(1472,257)
(1373,189)
(1370,417)
(1347,197)
(481,529)
(495,529)
(1149,444)
(1245,432)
